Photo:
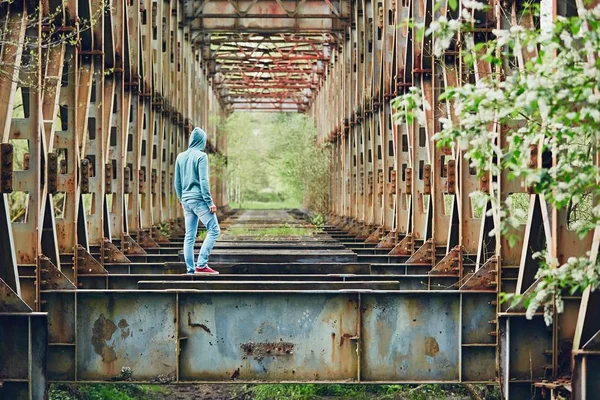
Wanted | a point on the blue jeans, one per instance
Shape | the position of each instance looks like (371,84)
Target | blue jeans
(194,210)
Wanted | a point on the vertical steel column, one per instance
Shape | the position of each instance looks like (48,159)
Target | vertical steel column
(403,79)
(117,137)
(369,126)
(65,145)
(147,216)
(377,122)
(28,126)
(389,141)
(10,57)
(418,137)
(134,136)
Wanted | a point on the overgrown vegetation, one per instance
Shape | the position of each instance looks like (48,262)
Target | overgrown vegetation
(374,392)
(106,392)
(271,392)
(273,233)
(259,205)
(549,102)
(274,159)
(27,67)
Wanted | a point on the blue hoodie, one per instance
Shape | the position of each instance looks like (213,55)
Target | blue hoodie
(191,171)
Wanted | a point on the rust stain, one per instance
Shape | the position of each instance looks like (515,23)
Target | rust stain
(101,332)
(333,342)
(414,311)
(197,325)
(235,374)
(344,337)
(262,350)
(431,346)
(124,326)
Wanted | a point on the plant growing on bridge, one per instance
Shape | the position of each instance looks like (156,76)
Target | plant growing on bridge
(26,54)
(549,102)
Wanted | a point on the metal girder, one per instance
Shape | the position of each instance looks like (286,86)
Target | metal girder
(416,196)
(265,65)
(96,119)
(350,332)
(103,121)
(267,15)
(249,38)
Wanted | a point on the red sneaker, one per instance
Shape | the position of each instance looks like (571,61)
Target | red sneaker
(205,270)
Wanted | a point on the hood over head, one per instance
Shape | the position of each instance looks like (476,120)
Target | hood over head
(198,139)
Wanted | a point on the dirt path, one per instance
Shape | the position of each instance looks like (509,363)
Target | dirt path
(204,392)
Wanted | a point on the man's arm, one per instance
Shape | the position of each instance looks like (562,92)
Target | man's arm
(177,181)
(205,183)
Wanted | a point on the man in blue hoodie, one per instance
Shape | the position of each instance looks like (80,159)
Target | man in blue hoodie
(193,190)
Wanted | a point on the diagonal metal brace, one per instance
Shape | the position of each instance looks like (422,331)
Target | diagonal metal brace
(10,302)
(374,237)
(365,232)
(404,247)
(52,278)
(158,236)
(112,254)
(87,264)
(131,247)
(451,263)
(424,254)
(177,228)
(389,241)
(485,278)
(145,240)
(520,306)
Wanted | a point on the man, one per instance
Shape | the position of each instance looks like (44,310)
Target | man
(193,190)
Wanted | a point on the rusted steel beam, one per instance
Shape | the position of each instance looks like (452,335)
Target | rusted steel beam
(184,320)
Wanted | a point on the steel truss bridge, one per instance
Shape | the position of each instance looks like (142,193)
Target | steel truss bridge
(97,100)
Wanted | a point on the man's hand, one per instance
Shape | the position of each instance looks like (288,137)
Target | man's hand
(213,209)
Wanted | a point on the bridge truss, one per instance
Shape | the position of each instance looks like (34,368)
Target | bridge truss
(94,113)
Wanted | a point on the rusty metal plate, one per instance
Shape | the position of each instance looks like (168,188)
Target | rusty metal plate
(478,311)
(592,374)
(61,316)
(14,346)
(529,340)
(411,337)
(479,364)
(274,336)
(125,329)
(14,391)
(39,352)
(61,363)
(23,344)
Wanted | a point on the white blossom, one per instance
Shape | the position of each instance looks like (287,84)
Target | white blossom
(475,5)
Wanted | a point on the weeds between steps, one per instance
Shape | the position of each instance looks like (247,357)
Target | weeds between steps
(271,392)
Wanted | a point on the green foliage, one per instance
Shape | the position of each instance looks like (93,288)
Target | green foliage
(165,229)
(375,392)
(104,392)
(274,392)
(259,205)
(550,102)
(273,158)
(270,233)
(201,234)
(318,221)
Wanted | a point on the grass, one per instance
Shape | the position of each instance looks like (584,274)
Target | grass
(104,392)
(271,233)
(371,392)
(274,392)
(257,205)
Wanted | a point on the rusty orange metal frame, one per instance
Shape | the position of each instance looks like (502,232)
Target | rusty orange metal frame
(105,114)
